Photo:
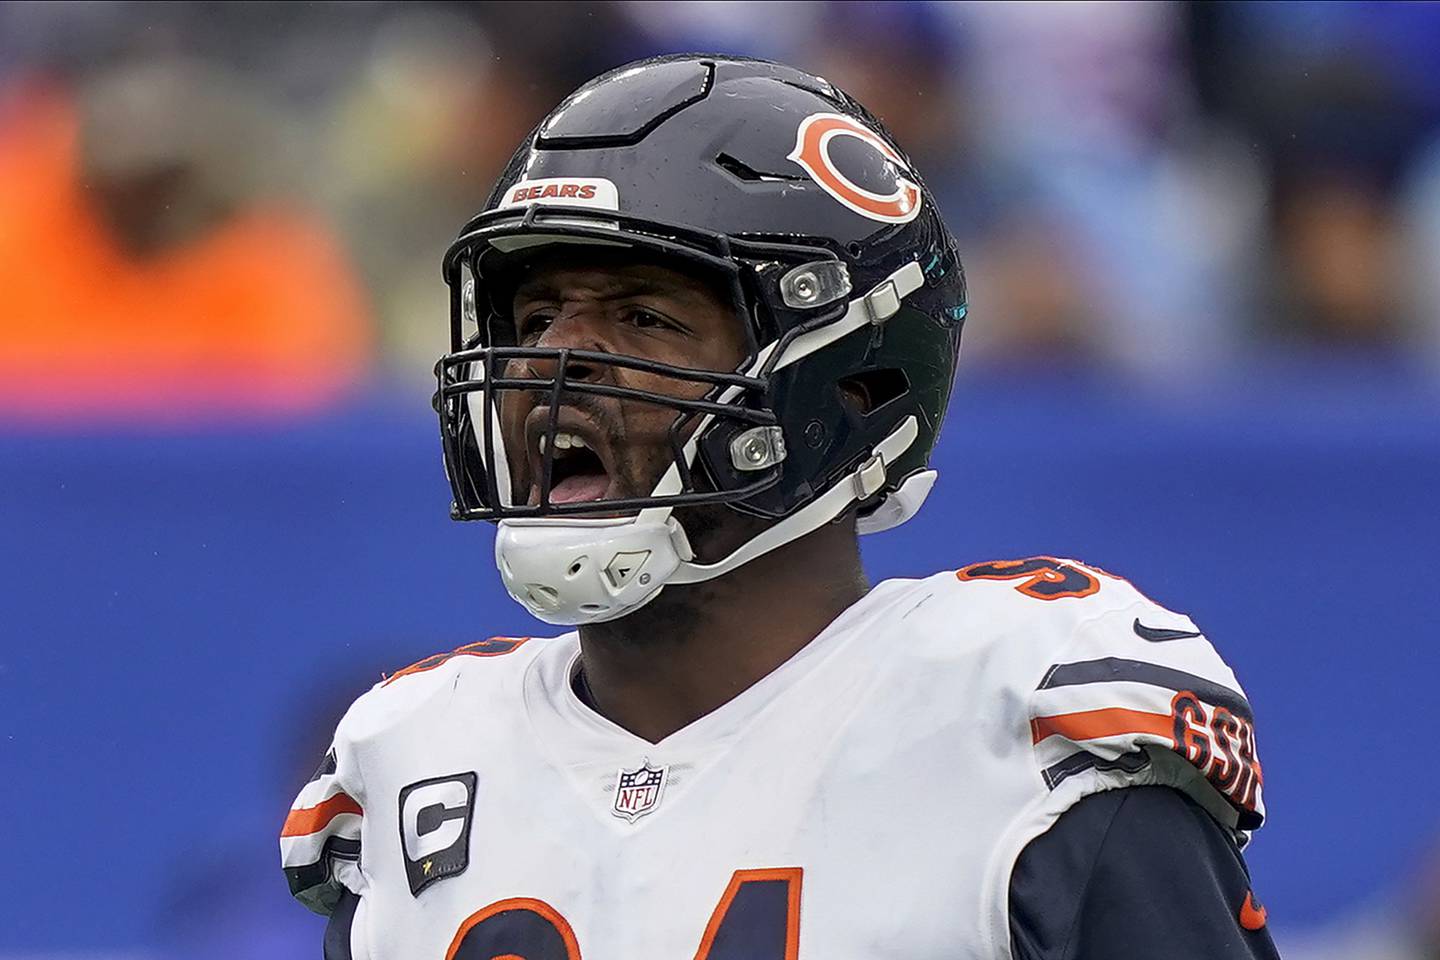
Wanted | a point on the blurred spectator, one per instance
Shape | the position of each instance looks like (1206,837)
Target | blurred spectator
(1152,188)
(149,267)
(1337,276)
(1338,97)
(1341,133)
(1420,250)
(416,138)
(1086,114)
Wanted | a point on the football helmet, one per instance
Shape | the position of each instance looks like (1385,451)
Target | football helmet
(791,196)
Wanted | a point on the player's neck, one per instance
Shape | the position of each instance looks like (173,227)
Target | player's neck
(697,647)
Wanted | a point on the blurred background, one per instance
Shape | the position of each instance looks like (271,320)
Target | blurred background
(1203,351)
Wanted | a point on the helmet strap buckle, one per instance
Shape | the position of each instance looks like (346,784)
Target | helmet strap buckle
(870,477)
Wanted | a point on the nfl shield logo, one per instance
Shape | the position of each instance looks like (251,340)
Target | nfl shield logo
(638,791)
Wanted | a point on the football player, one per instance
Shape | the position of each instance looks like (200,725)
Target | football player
(703,335)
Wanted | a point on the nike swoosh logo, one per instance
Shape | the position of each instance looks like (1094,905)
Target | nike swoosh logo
(1160,634)
(1252,913)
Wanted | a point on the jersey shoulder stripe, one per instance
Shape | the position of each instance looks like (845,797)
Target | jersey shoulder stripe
(1112,669)
(304,821)
(1098,724)
(1117,699)
(489,647)
(320,838)
(317,845)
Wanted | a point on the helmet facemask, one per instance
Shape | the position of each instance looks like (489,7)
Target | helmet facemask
(714,409)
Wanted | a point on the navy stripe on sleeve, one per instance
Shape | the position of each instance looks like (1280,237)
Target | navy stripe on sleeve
(1109,669)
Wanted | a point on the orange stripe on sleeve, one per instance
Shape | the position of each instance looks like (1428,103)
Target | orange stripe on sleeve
(1094,724)
(310,820)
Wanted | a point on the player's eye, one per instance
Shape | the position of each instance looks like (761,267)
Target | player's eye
(531,326)
(644,319)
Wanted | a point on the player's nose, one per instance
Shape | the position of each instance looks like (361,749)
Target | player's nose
(579,331)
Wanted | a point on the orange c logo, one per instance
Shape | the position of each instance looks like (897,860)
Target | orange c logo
(812,152)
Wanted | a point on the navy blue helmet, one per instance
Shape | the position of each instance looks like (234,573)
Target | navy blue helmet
(794,200)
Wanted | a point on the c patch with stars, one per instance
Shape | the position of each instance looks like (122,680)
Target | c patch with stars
(435,817)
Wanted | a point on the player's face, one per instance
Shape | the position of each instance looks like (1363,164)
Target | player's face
(606,447)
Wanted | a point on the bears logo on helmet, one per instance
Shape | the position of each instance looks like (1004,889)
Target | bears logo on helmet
(812,152)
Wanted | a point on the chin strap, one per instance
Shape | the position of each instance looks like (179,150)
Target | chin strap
(866,480)
(874,308)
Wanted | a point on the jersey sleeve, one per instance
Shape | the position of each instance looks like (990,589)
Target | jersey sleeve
(1143,872)
(1139,696)
(320,840)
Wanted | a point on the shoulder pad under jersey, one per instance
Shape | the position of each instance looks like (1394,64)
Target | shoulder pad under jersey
(1126,691)
(320,842)
(1138,695)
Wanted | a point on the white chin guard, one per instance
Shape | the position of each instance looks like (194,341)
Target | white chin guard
(589,570)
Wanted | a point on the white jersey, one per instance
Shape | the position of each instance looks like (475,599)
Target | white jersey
(867,799)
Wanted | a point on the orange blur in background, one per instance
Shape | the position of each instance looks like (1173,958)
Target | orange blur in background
(111,313)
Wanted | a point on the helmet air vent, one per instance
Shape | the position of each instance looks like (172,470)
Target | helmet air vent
(742,171)
(869,390)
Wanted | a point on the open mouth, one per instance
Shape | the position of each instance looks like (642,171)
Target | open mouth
(577,474)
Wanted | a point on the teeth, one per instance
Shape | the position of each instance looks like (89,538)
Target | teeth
(563,441)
